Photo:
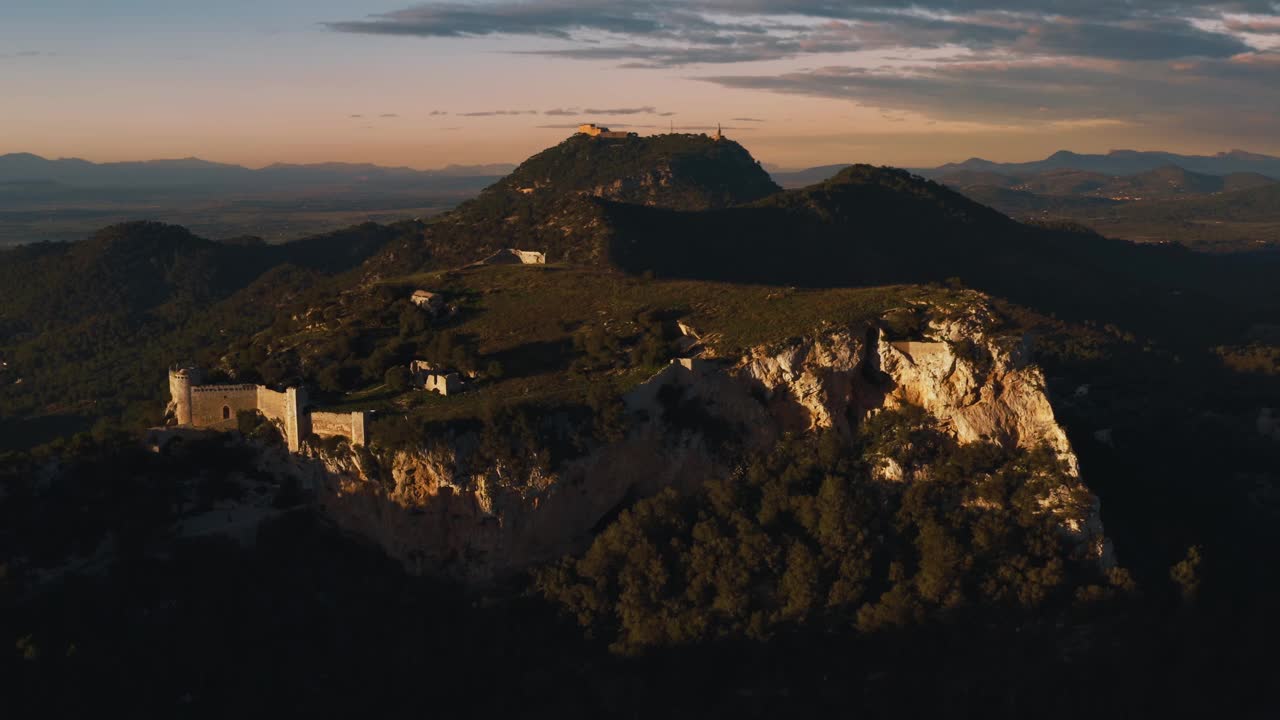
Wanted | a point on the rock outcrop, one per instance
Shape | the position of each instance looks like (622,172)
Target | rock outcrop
(438,510)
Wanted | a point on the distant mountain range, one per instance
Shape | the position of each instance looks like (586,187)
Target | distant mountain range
(1122,162)
(1114,163)
(28,168)
(1169,181)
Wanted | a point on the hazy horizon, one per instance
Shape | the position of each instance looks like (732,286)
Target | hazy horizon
(772,167)
(800,83)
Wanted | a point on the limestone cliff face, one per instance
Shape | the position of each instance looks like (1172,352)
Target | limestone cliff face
(979,387)
(436,513)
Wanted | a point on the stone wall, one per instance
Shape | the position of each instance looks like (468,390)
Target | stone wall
(215,406)
(512,256)
(443,383)
(273,405)
(347,425)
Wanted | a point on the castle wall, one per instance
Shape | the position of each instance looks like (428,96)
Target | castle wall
(348,425)
(215,406)
(272,404)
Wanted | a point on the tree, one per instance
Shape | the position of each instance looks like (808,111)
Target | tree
(397,378)
(1186,574)
(494,370)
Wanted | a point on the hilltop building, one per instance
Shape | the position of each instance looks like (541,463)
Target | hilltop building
(427,300)
(432,379)
(512,256)
(597,131)
(194,404)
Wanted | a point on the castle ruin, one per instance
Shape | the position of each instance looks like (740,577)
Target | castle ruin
(194,404)
(427,377)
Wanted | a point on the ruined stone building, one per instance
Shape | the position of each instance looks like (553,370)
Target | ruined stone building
(194,404)
(432,379)
(427,300)
(512,256)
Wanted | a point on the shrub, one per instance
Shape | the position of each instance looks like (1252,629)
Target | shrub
(397,379)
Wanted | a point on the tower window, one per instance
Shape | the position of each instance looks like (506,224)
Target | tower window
(226,413)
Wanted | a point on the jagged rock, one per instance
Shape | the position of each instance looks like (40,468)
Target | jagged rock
(436,514)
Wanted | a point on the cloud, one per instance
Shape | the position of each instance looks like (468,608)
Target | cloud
(747,119)
(388,115)
(1152,40)
(493,113)
(436,113)
(669,33)
(574,126)
(1254,25)
(28,54)
(355,116)
(576,112)
(647,110)
(549,18)
(1046,91)
(1169,62)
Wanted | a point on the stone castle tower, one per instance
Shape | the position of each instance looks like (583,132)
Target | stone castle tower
(181,380)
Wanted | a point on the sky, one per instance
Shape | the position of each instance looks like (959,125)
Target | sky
(798,82)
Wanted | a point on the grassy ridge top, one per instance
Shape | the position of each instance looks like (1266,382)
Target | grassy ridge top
(532,320)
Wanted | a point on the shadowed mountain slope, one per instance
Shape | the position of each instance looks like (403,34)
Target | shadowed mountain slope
(877,225)
(550,202)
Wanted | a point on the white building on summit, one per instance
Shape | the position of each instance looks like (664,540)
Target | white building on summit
(597,131)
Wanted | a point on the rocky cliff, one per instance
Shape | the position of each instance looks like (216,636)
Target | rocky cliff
(440,510)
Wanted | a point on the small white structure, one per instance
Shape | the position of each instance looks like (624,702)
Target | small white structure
(427,300)
(512,256)
(432,379)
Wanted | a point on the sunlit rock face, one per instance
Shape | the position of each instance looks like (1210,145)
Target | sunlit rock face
(440,511)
